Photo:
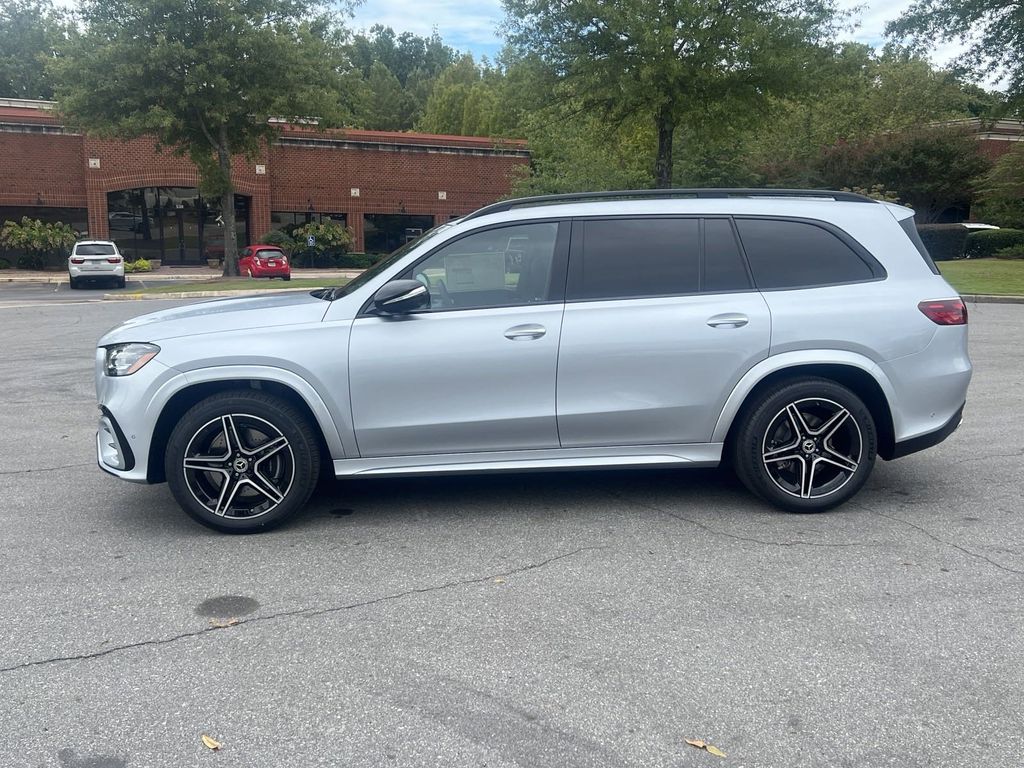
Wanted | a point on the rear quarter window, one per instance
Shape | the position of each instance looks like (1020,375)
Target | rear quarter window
(799,254)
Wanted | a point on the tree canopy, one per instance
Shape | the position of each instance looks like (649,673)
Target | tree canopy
(993,31)
(202,77)
(676,64)
(32,32)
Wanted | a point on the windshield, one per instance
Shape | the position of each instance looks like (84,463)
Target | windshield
(330,294)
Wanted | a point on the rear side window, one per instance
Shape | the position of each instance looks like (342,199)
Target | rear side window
(796,254)
(624,258)
(95,250)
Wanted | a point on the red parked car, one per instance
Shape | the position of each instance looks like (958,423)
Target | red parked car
(264,261)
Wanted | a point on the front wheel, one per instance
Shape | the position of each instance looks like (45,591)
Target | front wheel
(806,445)
(242,461)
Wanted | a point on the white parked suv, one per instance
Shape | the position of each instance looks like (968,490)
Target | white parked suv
(796,335)
(96,260)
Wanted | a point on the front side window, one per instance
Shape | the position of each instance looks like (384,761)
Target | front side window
(796,254)
(626,258)
(506,266)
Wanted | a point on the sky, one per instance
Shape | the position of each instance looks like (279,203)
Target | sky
(472,25)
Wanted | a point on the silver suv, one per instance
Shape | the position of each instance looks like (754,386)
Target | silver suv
(794,334)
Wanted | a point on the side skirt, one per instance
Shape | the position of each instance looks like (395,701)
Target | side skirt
(682,455)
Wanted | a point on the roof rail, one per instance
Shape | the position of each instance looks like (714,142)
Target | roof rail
(700,193)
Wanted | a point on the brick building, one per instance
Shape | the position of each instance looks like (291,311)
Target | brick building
(385,186)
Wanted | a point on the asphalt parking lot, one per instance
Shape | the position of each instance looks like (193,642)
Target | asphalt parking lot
(577,619)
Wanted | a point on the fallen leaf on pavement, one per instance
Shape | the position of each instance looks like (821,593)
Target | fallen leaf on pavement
(709,748)
(499,580)
(220,624)
(211,743)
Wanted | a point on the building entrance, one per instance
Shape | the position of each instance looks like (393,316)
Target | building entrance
(174,224)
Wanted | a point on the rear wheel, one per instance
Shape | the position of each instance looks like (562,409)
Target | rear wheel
(120,282)
(74,284)
(242,462)
(806,445)
(287,277)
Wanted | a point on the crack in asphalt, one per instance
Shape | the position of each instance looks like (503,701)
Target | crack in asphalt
(716,532)
(940,540)
(306,612)
(48,469)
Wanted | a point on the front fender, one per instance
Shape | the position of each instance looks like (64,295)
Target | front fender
(336,443)
(794,359)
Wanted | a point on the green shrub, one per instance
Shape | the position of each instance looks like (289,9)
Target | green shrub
(5,264)
(984,243)
(280,238)
(1013,252)
(357,260)
(945,242)
(139,265)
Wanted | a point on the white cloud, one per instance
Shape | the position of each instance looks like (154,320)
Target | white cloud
(464,24)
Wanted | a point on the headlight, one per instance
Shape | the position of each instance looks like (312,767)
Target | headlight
(126,359)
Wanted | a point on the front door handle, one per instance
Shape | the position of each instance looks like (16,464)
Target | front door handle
(528,331)
(729,320)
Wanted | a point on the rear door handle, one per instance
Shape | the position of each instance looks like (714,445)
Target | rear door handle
(728,320)
(528,331)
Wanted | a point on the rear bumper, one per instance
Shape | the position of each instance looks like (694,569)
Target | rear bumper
(927,440)
(271,271)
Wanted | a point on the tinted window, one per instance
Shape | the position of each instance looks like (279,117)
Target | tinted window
(794,254)
(639,257)
(95,250)
(495,268)
(723,264)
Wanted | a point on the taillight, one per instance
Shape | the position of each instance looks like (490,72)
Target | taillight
(77,260)
(114,259)
(945,311)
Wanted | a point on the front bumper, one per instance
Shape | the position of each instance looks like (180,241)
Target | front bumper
(130,407)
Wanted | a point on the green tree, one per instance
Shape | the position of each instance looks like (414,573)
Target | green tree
(31,33)
(1000,191)
(464,101)
(931,168)
(669,61)
(383,105)
(203,78)
(859,92)
(992,29)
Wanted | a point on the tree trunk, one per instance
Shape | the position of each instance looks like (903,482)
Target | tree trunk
(666,133)
(227,206)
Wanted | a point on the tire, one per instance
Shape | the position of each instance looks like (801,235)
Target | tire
(259,496)
(120,282)
(74,284)
(805,445)
(286,278)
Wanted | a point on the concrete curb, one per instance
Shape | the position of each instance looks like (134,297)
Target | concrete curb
(57,280)
(987,298)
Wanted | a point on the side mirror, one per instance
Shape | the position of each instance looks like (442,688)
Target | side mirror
(401,296)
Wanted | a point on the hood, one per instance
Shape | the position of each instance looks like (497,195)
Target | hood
(249,312)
